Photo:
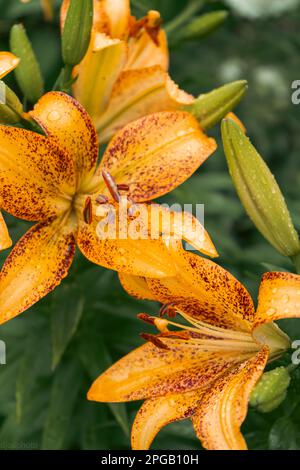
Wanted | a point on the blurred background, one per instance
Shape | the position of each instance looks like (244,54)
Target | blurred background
(57,348)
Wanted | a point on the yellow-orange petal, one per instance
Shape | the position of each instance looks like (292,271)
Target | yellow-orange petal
(118,15)
(8,62)
(150,371)
(36,176)
(136,94)
(136,286)
(143,52)
(157,153)
(224,405)
(68,125)
(157,413)
(98,72)
(137,257)
(36,265)
(5,240)
(279,297)
(206,291)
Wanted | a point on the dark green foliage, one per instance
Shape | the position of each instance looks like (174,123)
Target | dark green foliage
(57,348)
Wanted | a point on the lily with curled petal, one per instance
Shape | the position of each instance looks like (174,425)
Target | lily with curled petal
(54,180)
(8,62)
(124,73)
(205,368)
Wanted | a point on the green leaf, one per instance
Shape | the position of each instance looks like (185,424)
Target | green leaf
(67,310)
(64,393)
(284,435)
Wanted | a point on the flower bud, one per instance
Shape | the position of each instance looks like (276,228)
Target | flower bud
(271,390)
(211,107)
(11,108)
(203,25)
(28,72)
(77,31)
(258,190)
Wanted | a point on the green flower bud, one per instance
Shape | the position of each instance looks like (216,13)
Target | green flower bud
(271,390)
(258,190)
(77,31)
(28,72)
(11,108)
(202,25)
(211,107)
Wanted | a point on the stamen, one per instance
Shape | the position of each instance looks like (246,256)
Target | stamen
(168,309)
(101,199)
(123,187)
(111,185)
(154,340)
(88,211)
(146,318)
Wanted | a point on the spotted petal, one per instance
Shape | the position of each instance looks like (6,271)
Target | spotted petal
(69,126)
(5,240)
(137,93)
(36,176)
(157,153)
(207,292)
(279,297)
(157,413)
(150,372)
(223,407)
(36,265)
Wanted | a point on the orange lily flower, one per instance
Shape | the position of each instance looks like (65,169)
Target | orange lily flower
(206,369)
(124,73)
(54,180)
(8,62)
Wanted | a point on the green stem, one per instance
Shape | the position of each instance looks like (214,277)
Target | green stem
(191,9)
(296,261)
(64,80)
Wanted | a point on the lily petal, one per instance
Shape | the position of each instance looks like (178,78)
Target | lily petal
(143,52)
(157,413)
(137,257)
(36,176)
(157,153)
(150,372)
(68,124)
(207,292)
(136,286)
(223,407)
(279,297)
(8,62)
(5,240)
(138,93)
(98,72)
(118,15)
(36,265)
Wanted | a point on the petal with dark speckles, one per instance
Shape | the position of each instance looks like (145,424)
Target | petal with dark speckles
(36,265)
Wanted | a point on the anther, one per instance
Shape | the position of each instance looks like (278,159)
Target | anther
(88,211)
(154,340)
(123,187)
(111,185)
(146,318)
(168,309)
(101,199)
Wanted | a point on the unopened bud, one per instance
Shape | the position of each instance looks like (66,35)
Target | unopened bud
(28,72)
(77,31)
(271,390)
(203,25)
(211,107)
(11,108)
(258,190)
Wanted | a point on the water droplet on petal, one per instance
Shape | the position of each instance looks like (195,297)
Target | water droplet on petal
(271,311)
(54,116)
